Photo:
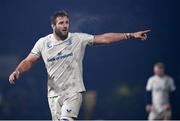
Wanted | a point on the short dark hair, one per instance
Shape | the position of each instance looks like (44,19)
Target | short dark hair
(58,14)
(159,65)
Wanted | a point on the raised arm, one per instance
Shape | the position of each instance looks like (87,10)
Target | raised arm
(116,37)
(24,66)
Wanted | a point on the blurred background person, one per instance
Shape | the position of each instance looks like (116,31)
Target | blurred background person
(160,85)
(90,100)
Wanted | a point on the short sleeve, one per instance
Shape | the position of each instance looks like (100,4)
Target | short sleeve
(37,48)
(87,39)
(172,85)
(149,84)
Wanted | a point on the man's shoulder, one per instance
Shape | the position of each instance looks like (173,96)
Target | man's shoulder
(79,34)
(169,78)
(76,33)
(153,77)
(44,38)
(49,36)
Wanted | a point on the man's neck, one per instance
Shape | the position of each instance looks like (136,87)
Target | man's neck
(58,38)
(160,76)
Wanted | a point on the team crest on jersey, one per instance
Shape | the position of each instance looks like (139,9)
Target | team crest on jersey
(69,42)
(49,45)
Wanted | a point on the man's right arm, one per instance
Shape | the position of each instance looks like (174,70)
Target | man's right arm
(24,66)
(148,101)
(149,95)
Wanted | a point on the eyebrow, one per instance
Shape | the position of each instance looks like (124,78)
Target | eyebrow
(63,21)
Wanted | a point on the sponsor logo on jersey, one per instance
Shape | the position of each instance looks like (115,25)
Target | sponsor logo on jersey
(68,110)
(69,42)
(59,56)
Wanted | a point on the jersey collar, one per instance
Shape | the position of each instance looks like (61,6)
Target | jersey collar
(55,41)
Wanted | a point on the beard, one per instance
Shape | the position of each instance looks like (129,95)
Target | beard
(60,34)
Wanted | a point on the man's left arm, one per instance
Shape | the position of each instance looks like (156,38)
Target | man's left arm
(172,88)
(116,37)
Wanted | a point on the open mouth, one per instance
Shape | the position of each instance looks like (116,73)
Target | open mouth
(64,30)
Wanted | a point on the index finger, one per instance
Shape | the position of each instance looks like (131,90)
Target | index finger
(146,31)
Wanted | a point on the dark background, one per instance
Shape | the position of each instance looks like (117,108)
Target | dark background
(117,72)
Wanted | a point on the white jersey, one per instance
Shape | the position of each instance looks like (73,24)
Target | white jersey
(160,87)
(63,61)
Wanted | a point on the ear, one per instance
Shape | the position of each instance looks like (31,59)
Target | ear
(52,25)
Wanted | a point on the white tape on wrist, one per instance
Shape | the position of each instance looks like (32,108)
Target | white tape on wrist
(17,72)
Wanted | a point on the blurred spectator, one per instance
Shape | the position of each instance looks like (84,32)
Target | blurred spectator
(90,100)
(160,85)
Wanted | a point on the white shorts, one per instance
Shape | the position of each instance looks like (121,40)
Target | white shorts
(159,116)
(67,105)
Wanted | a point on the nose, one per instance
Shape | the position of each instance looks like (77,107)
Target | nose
(65,26)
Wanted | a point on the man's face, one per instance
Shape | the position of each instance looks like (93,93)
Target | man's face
(159,71)
(61,27)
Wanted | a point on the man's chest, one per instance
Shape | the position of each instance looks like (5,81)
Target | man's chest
(57,52)
(160,85)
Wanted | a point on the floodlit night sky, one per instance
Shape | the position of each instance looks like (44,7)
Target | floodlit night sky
(117,72)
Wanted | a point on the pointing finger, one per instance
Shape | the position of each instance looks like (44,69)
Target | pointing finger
(146,31)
